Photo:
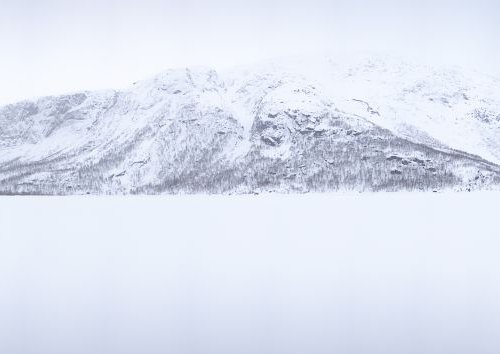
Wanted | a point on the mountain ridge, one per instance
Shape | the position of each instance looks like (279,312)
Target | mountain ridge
(369,126)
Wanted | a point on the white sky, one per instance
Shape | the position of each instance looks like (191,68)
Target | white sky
(56,46)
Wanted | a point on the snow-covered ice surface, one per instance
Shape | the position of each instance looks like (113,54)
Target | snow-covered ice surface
(332,123)
(317,273)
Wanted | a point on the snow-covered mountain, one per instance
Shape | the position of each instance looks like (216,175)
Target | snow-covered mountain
(363,124)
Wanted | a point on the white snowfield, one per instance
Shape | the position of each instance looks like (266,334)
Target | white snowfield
(400,273)
(327,123)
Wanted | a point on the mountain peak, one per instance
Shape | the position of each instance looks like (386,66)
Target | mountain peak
(323,123)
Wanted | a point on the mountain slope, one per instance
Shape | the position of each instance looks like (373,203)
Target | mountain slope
(277,127)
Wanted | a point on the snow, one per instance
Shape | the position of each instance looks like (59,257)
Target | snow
(330,273)
(435,106)
(405,93)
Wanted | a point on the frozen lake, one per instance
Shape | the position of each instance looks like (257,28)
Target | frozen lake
(384,273)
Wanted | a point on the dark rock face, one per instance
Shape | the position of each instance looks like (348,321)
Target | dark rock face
(485,116)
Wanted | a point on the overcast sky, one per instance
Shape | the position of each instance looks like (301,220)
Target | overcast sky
(55,46)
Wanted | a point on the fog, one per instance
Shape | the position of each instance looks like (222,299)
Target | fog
(59,46)
(387,273)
